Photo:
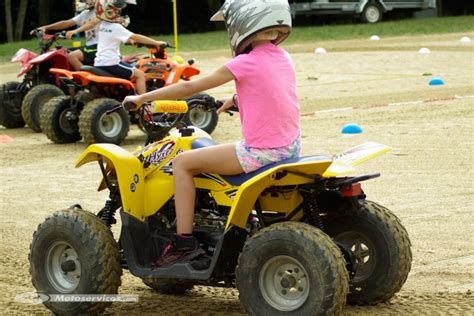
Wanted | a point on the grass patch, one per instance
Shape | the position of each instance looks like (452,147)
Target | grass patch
(302,34)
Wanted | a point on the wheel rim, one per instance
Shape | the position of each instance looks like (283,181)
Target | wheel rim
(364,253)
(63,268)
(373,14)
(200,117)
(110,125)
(65,122)
(284,283)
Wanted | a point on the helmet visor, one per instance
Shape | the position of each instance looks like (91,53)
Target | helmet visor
(218,16)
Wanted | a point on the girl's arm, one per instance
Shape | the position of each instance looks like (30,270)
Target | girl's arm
(186,88)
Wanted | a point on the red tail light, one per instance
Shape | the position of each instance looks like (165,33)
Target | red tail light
(350,190)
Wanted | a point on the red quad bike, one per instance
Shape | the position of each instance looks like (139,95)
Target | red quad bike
(93,92)
(20,101)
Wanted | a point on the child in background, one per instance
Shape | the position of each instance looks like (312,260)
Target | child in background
(112,33)
(86,54)
(265,79)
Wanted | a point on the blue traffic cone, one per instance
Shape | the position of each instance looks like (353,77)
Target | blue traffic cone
(436,82)
(351,128)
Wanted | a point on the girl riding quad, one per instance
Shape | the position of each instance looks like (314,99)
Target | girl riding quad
(269,109)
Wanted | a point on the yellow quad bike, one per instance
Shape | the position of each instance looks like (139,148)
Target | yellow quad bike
(297,236)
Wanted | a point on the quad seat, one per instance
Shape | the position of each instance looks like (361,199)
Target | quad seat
(241,178)
(98,71)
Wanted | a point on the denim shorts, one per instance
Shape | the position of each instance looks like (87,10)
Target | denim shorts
(252,158)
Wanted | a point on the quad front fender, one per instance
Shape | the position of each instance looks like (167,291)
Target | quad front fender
(129,174)
(184,72)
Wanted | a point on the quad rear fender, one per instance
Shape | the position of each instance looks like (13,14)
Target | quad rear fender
(86,77)
(298,173)
(82,76)
(128,170)
(344,163)
(281,175)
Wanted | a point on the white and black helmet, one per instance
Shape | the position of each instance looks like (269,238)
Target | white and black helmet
(245,18)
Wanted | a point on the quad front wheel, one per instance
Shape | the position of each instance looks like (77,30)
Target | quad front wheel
(96,126)
(381,249)
(59,120)
(291,268)
(74,252)
(33,102)
(10,105)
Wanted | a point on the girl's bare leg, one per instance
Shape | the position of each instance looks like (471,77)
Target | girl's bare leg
(220,159)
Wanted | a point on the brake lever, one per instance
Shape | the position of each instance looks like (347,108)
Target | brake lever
(115,109)
(61,35)
(127,106)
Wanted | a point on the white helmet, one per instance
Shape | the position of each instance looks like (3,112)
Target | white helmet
(245,18)
(111,10)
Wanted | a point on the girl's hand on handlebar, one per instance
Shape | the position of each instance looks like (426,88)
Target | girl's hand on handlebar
(135,99)
(226,104)
(70,34)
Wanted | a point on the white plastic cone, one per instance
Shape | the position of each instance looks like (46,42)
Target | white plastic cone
(320,50)
(424,51)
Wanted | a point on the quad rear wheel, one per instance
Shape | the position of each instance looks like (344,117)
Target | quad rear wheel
(96,126)
(10,105)
(291,268)
(201,117)
(381,248)
(74,252)
(59,120)
(33,102)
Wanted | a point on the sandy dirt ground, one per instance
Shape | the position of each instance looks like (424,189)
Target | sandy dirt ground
(426,179)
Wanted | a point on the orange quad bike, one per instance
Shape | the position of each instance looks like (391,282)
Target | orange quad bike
(93,92)
(20,101)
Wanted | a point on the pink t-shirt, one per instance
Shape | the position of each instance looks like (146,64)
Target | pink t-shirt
(266,91)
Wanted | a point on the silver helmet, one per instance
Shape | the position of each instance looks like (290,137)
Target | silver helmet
(245,18)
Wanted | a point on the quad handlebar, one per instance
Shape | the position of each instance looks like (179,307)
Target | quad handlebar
(159,117)
(47,40)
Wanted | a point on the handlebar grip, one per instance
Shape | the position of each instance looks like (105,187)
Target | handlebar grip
(129,106)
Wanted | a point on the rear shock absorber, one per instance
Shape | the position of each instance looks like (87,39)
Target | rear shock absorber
(107,213)
(312,213)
